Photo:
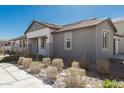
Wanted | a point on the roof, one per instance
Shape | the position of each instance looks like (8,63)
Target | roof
(116,20)
(86,23)
(18,38)
(80,24)
(119,35)
(50,25)
(89,19)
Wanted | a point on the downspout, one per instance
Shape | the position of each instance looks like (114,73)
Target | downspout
(96,41)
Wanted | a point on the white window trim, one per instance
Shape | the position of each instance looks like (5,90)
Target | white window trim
(106,49)
(66,39)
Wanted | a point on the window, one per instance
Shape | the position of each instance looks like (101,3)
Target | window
(20,44)
(24,43)
(67,40)
(43,42)
(106,40)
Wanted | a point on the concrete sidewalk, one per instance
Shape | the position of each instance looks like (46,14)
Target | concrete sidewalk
(13,77)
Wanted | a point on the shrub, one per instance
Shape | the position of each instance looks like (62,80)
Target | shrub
(26,62)
(6,59)
(75,64)
(35,67)
(20,60)
(52,73)
(110,84)
(40,57)
(69,62)
(84,63)
(46,61)
(7,52)
(102,66)
(74,78)
(58,63)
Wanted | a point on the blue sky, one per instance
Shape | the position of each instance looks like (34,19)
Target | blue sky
(14,20)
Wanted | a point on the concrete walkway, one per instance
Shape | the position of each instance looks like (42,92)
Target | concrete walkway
(12,77)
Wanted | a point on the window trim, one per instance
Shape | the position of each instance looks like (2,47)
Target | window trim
(106,49)
(66,39)
(43,42)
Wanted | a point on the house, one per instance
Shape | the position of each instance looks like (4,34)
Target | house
(40,39)
(119,24)
(18,44)
(92,38)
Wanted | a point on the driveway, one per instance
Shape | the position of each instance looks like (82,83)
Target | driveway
(13,77)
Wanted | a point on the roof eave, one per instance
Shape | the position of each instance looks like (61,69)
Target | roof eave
(72,29)
(108,19)
(57,27)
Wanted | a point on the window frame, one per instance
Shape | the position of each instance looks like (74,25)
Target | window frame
(43,42)
(106,46)
(67,38)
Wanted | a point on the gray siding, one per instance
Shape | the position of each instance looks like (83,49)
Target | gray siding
(120,28)
(100,29)
(36,26)
(83,44)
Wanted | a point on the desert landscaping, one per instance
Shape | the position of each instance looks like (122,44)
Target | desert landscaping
(77,75)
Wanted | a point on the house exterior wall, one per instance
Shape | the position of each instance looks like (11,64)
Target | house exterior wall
(40,33)
(33,45)
(101,53)
(86,42)
(36,26)
(83,44)
(120,28)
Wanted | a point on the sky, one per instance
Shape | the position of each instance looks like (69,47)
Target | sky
(14,20)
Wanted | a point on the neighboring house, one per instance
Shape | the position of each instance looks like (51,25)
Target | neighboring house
(92,38)
(119,24)
(18,44)
(2,43)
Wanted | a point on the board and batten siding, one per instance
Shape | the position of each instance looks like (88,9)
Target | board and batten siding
(83,44)
(120,28)
(86,42)
(36,26)
(100,29)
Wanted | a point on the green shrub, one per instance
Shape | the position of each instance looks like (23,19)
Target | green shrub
(35,67)
(52,73)
(75,64)
(20,60)
(84,63)
(102,66)
(39,57)
(110,84)
(26,62)
(58,63)
(46,61)
(8,52)
(6,59)
(74,78)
